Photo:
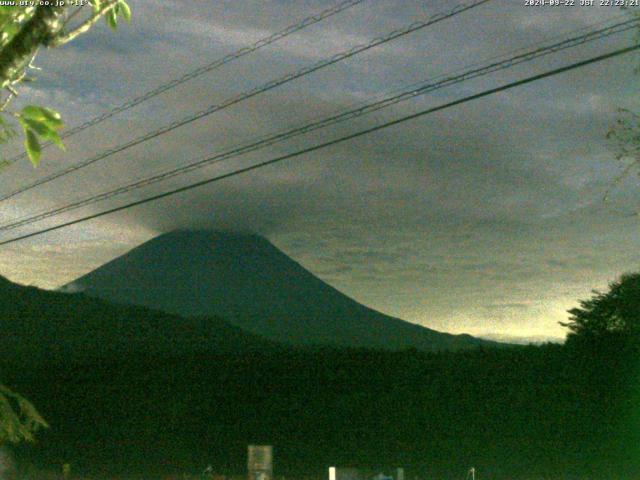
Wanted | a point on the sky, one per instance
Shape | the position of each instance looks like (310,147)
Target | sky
(486,218)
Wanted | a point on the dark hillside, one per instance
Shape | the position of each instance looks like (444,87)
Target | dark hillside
(534,412)
(41,326)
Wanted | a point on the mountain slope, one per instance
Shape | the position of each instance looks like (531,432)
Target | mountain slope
(249,282)
(38,325)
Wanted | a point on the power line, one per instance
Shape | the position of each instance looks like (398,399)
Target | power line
(347,115)
(252,93)
(345,138)
(291,29)
(424,88)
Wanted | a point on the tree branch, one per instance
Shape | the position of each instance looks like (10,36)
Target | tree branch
(41,29)
(6,102)
(73,14)
(83,27)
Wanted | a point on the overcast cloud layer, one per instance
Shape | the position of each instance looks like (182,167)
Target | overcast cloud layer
(485,218)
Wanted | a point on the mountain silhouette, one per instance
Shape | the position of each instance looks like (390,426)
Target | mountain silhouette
(246,280)
(42,326)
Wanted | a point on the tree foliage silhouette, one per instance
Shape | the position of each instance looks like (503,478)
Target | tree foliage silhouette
(613,313)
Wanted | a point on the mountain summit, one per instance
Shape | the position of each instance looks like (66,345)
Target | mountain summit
(244,279)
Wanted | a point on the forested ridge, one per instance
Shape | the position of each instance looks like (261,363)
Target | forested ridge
(530,412)
(165,394)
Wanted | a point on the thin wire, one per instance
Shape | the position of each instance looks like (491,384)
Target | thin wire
(613,21)
(69,18)
(249,94)
(332,120)
(291,29)
(345,138)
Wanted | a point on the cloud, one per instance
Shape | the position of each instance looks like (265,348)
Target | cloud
(506,306)
(483,216)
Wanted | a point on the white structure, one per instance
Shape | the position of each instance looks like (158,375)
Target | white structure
(260,462)
(345,474)
(336,473)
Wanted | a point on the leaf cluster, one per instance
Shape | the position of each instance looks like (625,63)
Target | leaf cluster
(19,419)
(39,123)
(121,9)
(12,18)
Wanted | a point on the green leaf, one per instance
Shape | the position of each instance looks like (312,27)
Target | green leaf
(32,146)
(8,32)
(42,114)
(112,19)
(55,138)
(124,10)
(44,130)
(37,126)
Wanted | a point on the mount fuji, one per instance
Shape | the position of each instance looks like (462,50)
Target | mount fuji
(246,280)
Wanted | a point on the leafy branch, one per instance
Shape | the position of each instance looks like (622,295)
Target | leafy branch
(111,9)
(625,136)
(23,31)
(19,419)
(39,122)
